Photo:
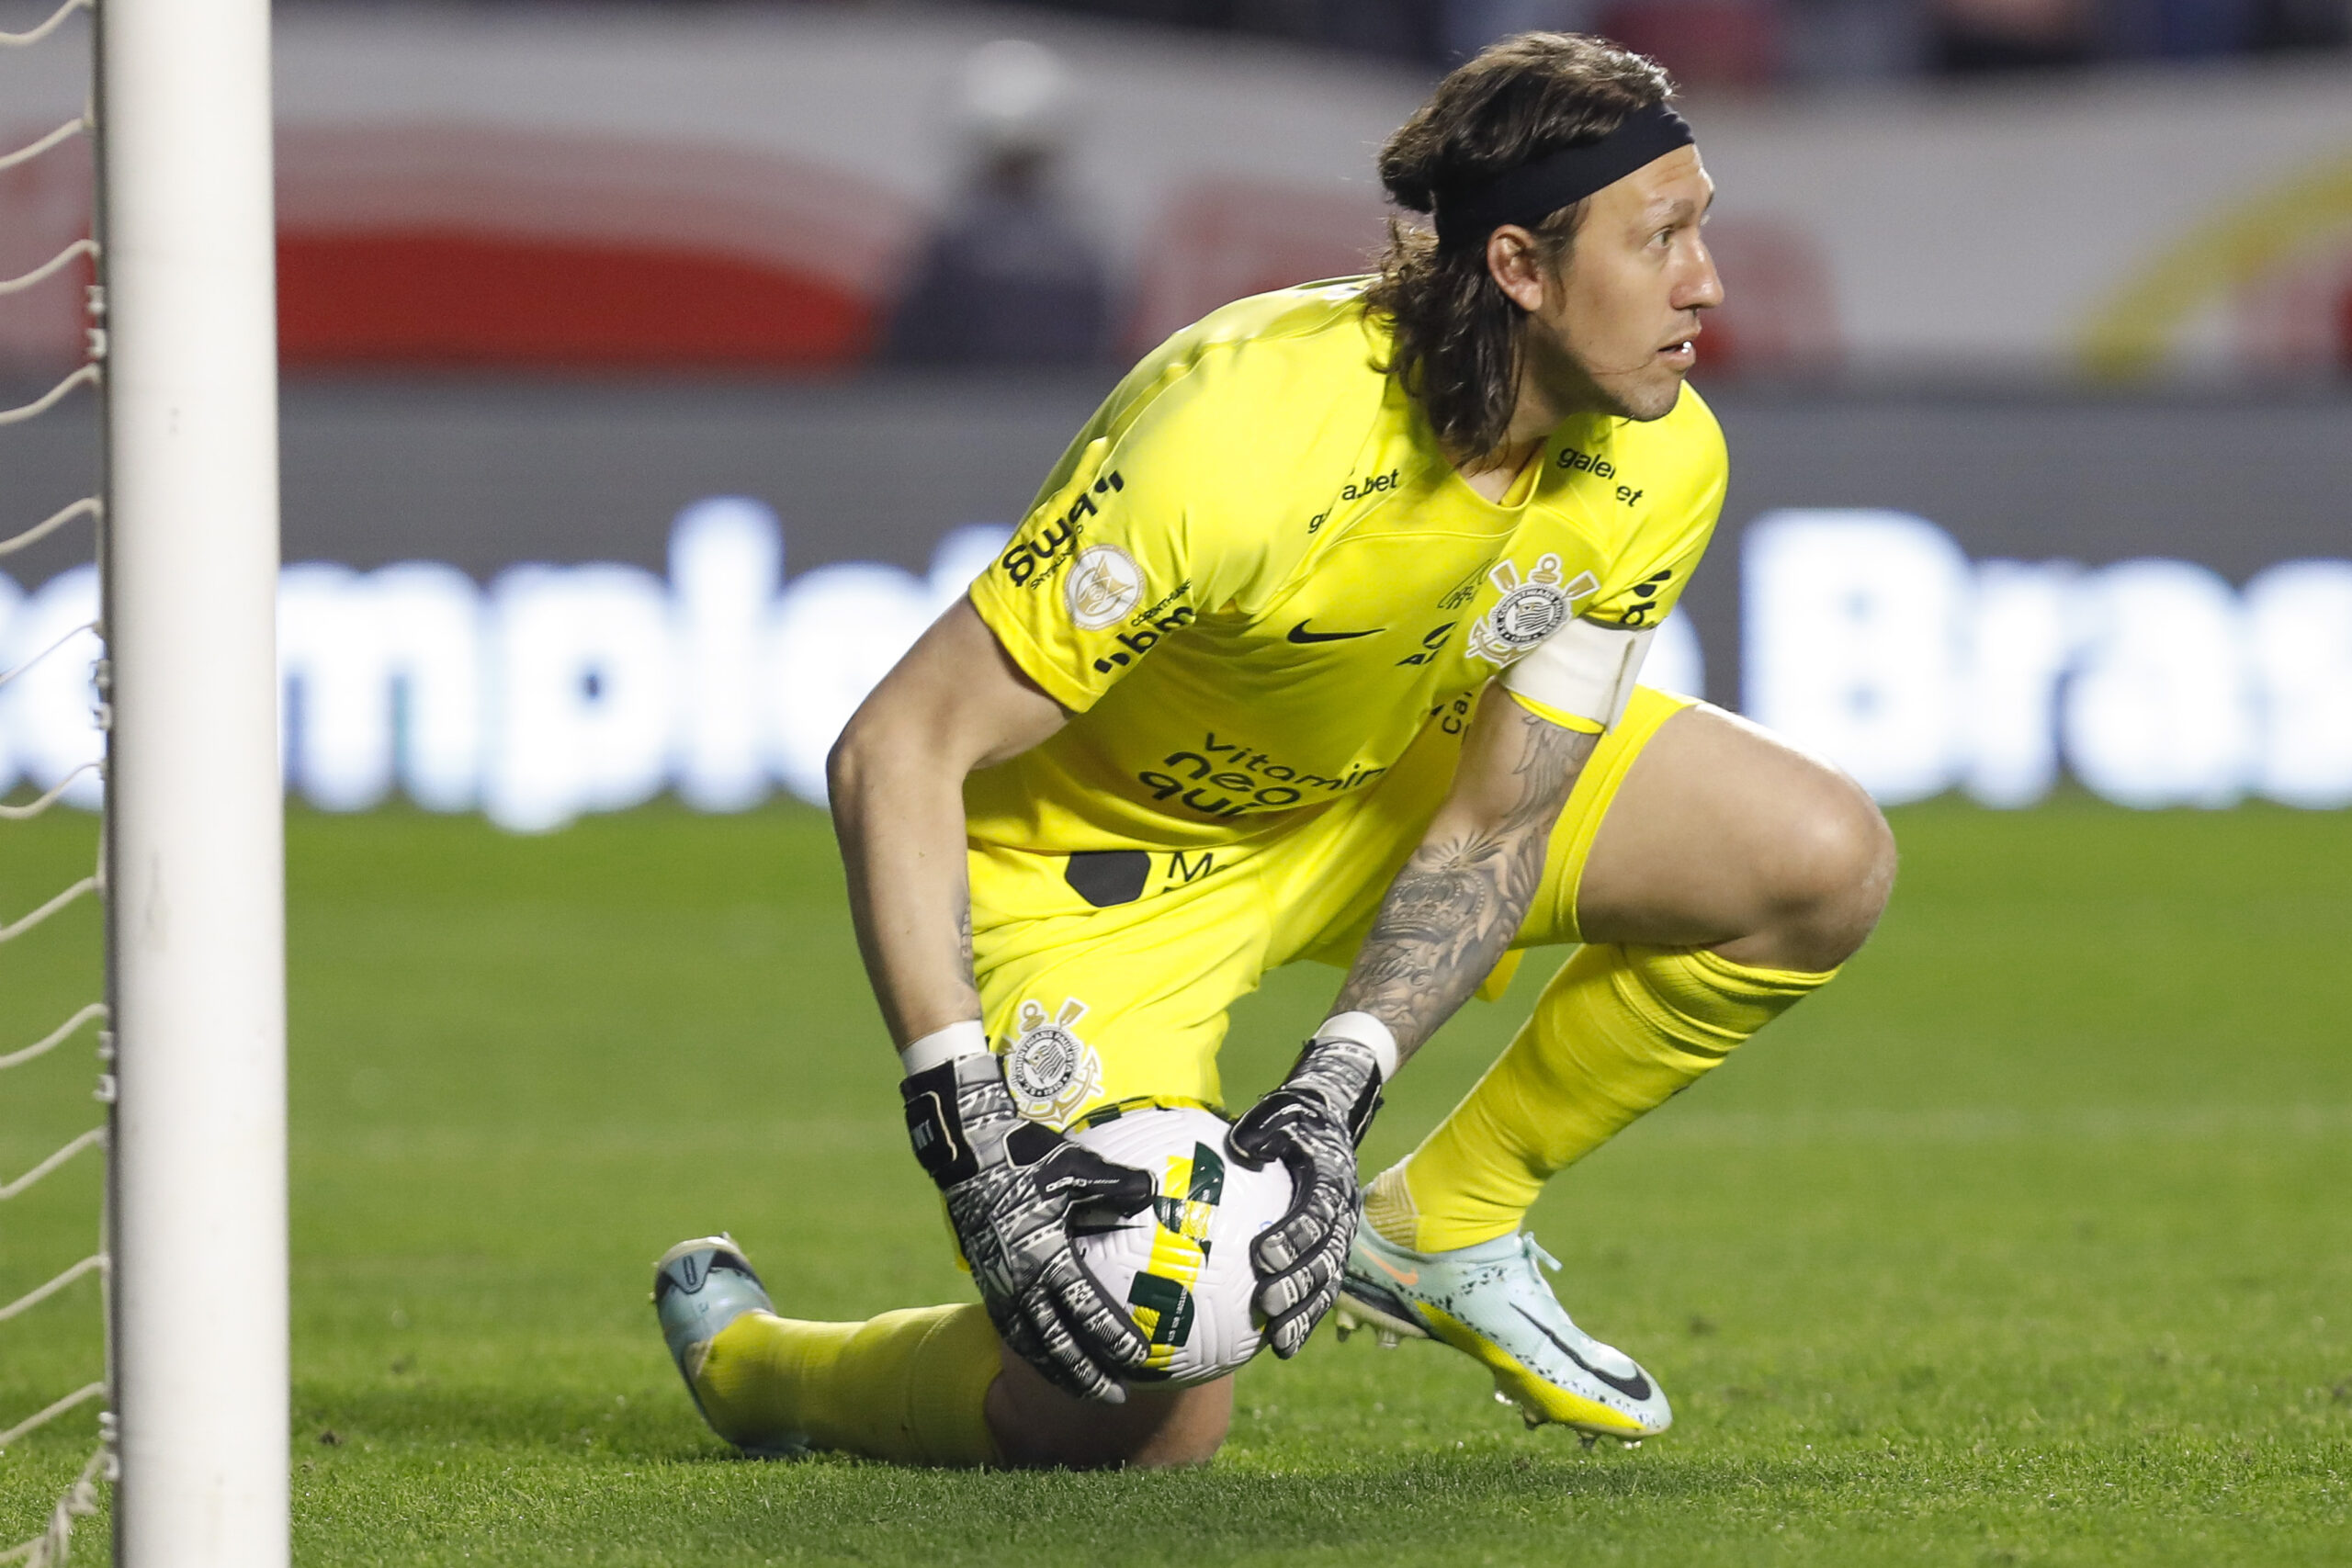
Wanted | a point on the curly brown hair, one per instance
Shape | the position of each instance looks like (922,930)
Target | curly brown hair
(1458,336)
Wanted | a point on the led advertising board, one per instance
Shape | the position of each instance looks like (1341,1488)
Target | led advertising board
(543,602)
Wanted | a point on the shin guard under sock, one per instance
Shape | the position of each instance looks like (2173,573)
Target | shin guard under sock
(1619,1030)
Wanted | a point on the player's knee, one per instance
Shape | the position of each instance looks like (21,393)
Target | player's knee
(1167,1429)
(1836,870)
(1178,1438)
(1037,1426)
(1181,1445)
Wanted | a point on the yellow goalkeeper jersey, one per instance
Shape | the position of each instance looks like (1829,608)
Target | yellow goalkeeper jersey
(1254,578)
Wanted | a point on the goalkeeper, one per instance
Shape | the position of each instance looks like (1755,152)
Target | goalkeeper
(1320,643)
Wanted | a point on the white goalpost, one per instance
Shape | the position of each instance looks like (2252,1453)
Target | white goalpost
(182,347)
(195,912)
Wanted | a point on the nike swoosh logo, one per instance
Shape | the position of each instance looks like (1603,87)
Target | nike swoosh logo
(1402,1276)
(1634,1387)
(1300,634)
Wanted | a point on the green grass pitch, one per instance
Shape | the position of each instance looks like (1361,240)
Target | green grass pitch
(2028,1241)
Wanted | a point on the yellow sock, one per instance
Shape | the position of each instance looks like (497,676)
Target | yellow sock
(1617,1031)
(907,1386)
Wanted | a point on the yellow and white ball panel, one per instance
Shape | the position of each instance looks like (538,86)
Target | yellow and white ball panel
(1181,1266)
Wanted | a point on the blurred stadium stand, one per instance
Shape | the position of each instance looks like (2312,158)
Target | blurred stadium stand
(1752,43)
(553,276)
(548,188)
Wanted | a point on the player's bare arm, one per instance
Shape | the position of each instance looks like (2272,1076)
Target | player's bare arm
(955,703)
(1452,910)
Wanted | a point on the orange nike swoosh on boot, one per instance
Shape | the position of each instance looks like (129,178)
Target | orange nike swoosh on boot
(1399,1275)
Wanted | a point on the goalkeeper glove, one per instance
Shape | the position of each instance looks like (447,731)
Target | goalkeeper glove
(1312,1122)
(1012,1187)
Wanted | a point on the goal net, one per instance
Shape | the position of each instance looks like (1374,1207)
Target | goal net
(190,1253)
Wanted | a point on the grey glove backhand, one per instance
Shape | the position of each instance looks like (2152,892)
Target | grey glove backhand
(1312,1122)
(1011,1188)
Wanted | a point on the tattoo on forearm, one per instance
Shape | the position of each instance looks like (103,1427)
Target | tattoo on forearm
(1456,906)
(964,938)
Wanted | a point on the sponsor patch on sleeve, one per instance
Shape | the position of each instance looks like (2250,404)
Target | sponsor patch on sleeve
(1102,587)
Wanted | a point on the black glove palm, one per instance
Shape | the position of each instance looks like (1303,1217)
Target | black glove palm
(1012,1187)
(1312,1124)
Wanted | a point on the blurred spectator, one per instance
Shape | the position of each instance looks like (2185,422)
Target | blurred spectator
(2180,29)
(2191,29)
(2006,35)
(1404,30)
(1465,26)
(1705,43)
(2303,24)
(1828,41)
(1010,277)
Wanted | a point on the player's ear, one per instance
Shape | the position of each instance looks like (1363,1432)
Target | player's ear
(1515,261)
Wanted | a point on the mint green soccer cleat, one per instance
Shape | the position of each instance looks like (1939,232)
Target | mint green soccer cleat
(700,1286)
(1492,1302)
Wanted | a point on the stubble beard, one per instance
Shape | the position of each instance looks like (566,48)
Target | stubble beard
(1570,384)
(1657,401)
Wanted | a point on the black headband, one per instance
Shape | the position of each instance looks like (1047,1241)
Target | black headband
(1536,189)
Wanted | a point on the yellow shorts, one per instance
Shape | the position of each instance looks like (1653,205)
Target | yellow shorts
(1106,977)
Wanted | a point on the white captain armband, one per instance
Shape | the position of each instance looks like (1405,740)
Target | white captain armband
(1584,669)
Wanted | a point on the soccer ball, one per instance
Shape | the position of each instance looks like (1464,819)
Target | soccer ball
(1183,1265)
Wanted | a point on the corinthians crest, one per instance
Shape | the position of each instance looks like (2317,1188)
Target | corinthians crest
(1048,1068)
(1528,611)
